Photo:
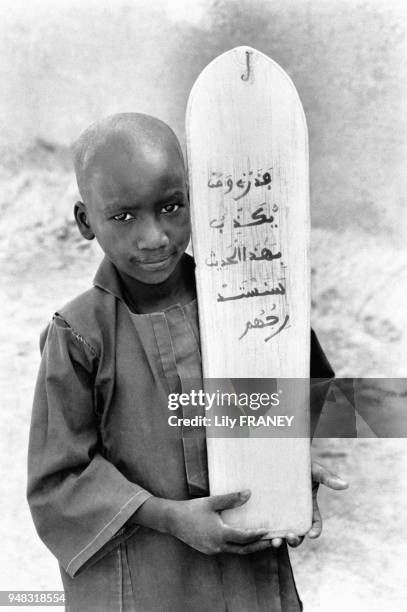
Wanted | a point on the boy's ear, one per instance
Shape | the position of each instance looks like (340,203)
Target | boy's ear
(82,222)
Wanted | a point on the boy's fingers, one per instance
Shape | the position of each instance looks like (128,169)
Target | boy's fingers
(323,476)
(229,500)
(243,536)
(249,548)
(294,540)
(316,528)
(335,482)
(276,542)
(315,531)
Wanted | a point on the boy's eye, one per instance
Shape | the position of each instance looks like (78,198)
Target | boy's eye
(170,208)
(124,216)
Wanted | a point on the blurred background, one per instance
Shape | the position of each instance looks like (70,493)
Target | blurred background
(65,64)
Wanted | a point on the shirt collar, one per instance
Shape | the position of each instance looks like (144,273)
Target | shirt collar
(108,279)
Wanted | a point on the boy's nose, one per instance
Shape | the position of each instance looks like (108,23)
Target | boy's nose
(151,237)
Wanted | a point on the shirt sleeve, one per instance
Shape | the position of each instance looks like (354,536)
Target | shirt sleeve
(80,502)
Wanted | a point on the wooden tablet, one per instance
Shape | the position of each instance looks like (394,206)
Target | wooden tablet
(249,181)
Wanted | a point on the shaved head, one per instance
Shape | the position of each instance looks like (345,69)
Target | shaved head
(132,180)
(120,139)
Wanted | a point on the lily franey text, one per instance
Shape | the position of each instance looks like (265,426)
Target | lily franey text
(232,422)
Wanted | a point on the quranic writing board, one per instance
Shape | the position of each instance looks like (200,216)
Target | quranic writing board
(247,149)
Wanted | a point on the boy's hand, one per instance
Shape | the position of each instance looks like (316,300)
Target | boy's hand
(198,523)
(320,475)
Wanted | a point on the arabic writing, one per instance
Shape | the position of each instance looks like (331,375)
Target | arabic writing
(253,235)
(258,218)
(239,254)
(286,319)
(268,321)
(219,179)
(279,290)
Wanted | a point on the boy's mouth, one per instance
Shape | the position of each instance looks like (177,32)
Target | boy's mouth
(156,264)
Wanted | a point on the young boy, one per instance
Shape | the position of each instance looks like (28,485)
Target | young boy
(115,493)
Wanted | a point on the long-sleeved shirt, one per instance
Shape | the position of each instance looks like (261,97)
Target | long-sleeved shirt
(100,445)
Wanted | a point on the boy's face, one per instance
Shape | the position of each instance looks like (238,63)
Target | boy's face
(138,209)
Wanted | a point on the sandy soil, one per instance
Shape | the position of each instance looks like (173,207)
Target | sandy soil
(358,563)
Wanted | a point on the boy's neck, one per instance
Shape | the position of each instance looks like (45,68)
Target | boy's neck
(179,288)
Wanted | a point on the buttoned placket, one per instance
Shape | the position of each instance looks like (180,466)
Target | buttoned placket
(176,336)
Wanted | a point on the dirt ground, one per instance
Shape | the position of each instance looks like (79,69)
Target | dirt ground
(359,562)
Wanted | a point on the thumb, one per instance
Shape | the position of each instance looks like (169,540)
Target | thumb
(229,500)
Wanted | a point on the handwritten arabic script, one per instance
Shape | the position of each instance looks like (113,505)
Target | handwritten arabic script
(267,321)
(240,254)
(258,217)
(244,183)
(246,249)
